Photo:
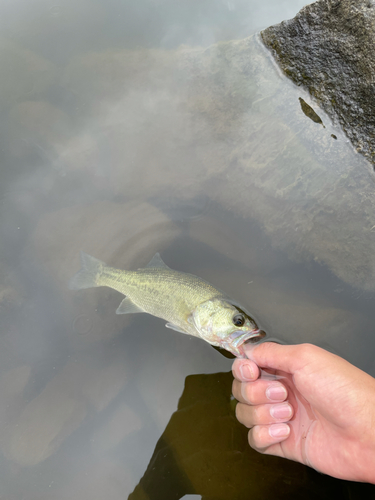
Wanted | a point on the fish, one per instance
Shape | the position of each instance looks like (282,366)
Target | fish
(188,303)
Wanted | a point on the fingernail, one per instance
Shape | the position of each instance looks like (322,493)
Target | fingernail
(281,411)
(246,372)
(276,392)
(279,430)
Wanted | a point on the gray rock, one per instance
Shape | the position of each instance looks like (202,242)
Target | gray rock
(127,234)
(328,48)
(24,74)
(77,391)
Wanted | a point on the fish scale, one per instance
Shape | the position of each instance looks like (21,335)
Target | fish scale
(172,292)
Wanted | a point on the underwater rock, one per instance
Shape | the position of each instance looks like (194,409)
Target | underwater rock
(328,48)
(42,119)
(120,424)
(24,74)
(12,292)
(13,298)
(104,477)
(12,385)
(219,122)
(219,235)
(40,129)
(51,26)
(107,76)
(311,194)
(146,119)
(80,389)
(46,421)
(125,235)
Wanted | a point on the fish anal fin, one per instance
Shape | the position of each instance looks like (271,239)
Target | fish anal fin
(175,327)
(157,261)
(128,307)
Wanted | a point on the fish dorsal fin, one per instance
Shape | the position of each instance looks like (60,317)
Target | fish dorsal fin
(157,261)
(128,307)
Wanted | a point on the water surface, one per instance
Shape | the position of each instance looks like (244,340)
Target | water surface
(134,128)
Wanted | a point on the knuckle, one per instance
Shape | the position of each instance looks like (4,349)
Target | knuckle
(307,351)
(236,389)
(256,438)
(235,368)
(239,412)
(257,414)
(266,347)
(248,393)
(243,391)
(244,414)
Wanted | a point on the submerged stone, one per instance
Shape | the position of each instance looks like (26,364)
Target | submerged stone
(215,122)
(127,234)
(328,48)
(79,390)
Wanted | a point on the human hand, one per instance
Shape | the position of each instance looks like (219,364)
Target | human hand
(308,405)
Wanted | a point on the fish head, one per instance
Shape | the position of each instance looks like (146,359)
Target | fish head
(225,325)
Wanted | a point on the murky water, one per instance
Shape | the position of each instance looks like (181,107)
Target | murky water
(129,128)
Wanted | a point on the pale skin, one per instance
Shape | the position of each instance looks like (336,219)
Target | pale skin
(314,407)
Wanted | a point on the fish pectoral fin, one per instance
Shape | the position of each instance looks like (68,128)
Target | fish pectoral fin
(128,307)
(157,261)
(174,327)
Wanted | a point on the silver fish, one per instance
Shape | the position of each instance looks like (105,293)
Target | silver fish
(188,303)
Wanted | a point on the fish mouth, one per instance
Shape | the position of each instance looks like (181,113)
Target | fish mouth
(239,337)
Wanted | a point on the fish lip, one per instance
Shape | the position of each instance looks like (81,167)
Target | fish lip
(239,337)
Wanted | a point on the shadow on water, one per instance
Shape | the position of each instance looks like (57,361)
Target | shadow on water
(203,450)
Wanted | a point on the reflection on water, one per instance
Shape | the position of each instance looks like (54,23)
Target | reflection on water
(117,141)
(204,450)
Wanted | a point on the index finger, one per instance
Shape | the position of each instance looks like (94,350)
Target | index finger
(287,358)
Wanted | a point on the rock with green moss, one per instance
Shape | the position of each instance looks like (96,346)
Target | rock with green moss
(328,48)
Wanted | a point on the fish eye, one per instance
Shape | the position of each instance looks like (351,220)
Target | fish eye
(239,320)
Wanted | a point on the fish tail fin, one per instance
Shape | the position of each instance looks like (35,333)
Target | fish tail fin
(87,276)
